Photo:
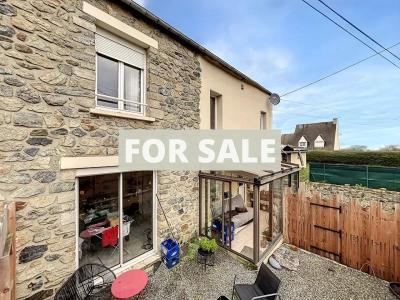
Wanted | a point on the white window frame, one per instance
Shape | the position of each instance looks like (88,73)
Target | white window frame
(114,170)
(121,83)
(303,146)
(302,143)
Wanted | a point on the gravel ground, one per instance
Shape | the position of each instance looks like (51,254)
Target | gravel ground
(320,278)
(317,278)
(189,280)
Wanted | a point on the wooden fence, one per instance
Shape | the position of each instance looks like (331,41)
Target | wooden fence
(366,238)
(7,253)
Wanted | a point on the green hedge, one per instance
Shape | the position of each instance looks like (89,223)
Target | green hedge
(371,158)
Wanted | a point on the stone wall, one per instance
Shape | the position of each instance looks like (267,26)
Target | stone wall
(361,194)
(47,73)
(276,207)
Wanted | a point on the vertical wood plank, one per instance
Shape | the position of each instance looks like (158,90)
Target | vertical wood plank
(370,236)
(397,244)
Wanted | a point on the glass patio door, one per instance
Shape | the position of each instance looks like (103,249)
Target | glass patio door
(115,217)
(99,220)
(137,208)
(227,214)
(215,219)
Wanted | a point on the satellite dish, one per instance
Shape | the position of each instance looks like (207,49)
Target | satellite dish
(274,99)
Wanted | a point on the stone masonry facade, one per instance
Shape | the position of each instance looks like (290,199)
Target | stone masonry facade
(47,86)
(362,195)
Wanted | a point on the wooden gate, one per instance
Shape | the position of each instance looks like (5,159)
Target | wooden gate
(363,237)
(326,232)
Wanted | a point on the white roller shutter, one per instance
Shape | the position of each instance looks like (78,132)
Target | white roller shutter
(120,50)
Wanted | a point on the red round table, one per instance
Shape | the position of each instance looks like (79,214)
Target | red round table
(129,284)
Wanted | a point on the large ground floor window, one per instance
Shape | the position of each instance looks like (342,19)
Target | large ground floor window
(115,217)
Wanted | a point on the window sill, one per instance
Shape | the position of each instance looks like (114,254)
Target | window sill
(120,114)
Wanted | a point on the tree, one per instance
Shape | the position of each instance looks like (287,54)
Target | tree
(357,148)
(391,148)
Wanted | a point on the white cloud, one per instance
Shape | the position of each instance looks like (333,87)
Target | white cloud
(363,99)
(263,64)
(222,49)
(141,2)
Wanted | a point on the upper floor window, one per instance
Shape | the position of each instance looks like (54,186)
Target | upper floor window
(303,142)
(263,120)
(120,74)
(215,110)
(213,113)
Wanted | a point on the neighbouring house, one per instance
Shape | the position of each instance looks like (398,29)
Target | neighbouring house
(314,136)
(294,155)
(72,75)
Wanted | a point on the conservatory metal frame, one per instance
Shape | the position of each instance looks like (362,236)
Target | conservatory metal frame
(258,179)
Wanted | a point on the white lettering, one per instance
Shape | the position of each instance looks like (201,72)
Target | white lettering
(246,158)
(160,151)
(130,150)
(176,149)
(205,150)
(228,151)
(266,150)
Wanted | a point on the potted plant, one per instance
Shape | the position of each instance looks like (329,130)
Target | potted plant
(207,246)
(205,251)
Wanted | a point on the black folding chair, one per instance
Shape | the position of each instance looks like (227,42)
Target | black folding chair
(91,281)
(265,287)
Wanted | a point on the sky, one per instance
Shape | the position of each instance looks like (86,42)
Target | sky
(284,44)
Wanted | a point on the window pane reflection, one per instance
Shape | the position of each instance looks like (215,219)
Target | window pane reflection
(107,81)
(227,214)
(138,214)
(132,83)
(99,220)
(242,218)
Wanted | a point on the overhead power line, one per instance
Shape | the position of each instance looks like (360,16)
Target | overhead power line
(337,72)
(357,28)
(347,31)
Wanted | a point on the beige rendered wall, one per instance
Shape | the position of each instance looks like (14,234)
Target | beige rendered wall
(294,159)
(240,108)
(336,145)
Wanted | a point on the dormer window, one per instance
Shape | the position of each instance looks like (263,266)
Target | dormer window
(303,142)
(319,142)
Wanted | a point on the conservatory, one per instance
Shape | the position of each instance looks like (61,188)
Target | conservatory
(243,210)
